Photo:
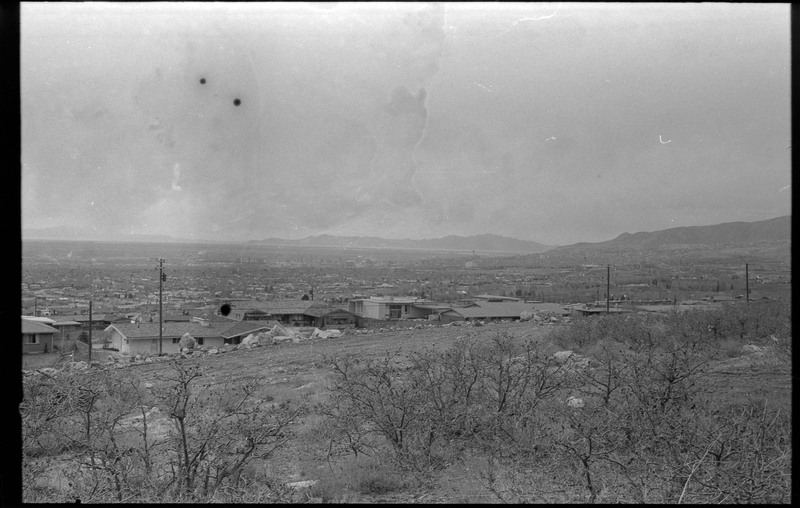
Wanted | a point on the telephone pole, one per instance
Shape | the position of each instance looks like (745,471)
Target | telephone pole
(160,291)
(747,281)
(608,289)
(90,333)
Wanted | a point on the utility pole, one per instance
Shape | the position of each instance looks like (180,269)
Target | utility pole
(160,291)
(747,281)
(90,333)
(35,299)
(608,289)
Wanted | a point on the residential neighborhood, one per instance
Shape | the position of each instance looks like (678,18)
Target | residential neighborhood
(119,294)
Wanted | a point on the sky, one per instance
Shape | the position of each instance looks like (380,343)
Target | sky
(552,122)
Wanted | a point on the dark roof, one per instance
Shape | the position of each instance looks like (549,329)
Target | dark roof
(244,327)
(549,307)
(175,318)
(600,310)
(497,297)
(150,330)
(84,318)
(510,310)
(29,326)
(432,306)
(323,309)
(285,306)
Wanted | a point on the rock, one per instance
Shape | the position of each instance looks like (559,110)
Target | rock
(576,402)
(250,340)
(80,365)
(281,339)
(213,351)
(301,484)
(49,371)
(562,356)
(526,315)
(326,334)
(187,342)
(279,331)
(752,348)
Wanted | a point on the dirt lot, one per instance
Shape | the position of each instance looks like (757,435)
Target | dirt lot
(300,363)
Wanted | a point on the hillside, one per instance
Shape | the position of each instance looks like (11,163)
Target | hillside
(765,237)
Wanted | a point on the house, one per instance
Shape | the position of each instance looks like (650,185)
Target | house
(487,311)
(428,311)
(233,333)
(143,338)
(249,315)
(389,307)
(323,315)
(304,313)
(100,320)
(549,308)
(37,337)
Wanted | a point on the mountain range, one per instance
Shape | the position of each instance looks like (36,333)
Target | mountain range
(772,234)
(481,243)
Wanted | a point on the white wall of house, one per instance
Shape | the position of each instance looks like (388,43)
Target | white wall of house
(384,308)
(148,345)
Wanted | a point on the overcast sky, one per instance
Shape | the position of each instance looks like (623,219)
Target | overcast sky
(552,122)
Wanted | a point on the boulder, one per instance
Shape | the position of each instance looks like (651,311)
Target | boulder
(250,340)
(562,356)
(213,351)
(80,365)
(576,402)
(325,334)
(187,342)
(301,484)
(279,331)
(281,339)
(526,315)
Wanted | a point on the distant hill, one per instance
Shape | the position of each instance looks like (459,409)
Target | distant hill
(769,235)
(70,233)
(479,243)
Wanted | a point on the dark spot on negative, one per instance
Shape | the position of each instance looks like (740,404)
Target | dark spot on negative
(236,102)
(225,309)
(202,81)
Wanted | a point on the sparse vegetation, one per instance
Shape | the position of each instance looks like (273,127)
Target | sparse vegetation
(640,411)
